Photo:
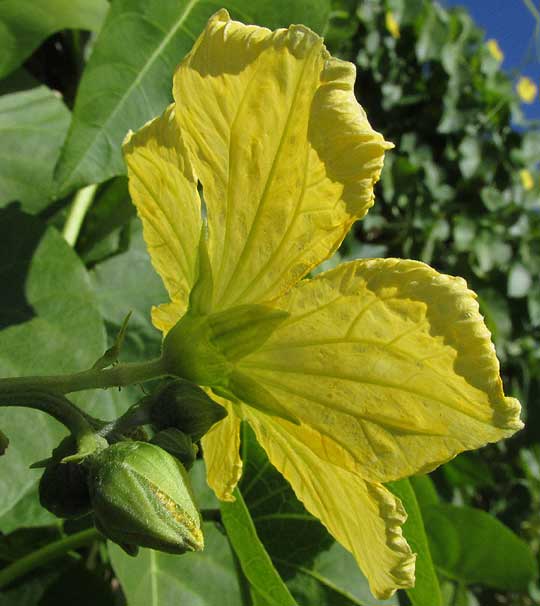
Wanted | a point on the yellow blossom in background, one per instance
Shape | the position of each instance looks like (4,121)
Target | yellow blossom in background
(391,24)
(527,180)
(495,50)
(368,373)
(526,89)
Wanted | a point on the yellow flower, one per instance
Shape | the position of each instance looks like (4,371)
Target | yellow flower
(391,24)
(526,89)
(495,50)
(368,373)
(527,180)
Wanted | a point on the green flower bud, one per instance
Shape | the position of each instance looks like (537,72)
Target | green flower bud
(178,444)
(63,488)
(142,496)
(186,407)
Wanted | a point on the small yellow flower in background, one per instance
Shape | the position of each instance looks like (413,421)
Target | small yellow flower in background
(526,89)
(527,180)
(368,373)
(391,24)
(495,50)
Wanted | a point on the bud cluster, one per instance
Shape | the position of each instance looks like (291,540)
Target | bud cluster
(138,489)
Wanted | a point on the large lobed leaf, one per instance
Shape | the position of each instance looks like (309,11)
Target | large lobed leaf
(33,124)
(471,546)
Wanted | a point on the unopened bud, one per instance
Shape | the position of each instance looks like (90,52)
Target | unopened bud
(142,496)
(63,488)
(186,407)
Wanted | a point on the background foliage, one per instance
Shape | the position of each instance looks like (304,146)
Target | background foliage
(75,77)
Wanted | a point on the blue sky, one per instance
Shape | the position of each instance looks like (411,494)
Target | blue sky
(511,23)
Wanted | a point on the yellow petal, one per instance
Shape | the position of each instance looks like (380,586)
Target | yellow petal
(363,516)
(165,316)
(526,89)
(164,190)
(392,25)
(527,180)
(286,156)
(389,361)
(495,50)
(221,450)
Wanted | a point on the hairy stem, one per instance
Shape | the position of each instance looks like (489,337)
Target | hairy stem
(117,376)
(62,410)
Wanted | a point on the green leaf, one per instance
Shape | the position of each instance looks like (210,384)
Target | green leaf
(24,24)
(471,546)
(424,490)
(493,198)
(204,578)
(316,569)
(426,591)
(128,78)
(255,562)
(433,34)
(27,512)
(519,281)
(471,156)
(33,125)
(468,469)
(159,579)
(18,81)
(50,324)
(332,579)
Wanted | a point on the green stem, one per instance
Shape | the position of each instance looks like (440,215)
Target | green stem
(79,207)
(117,376)
(62,410)
(46,554)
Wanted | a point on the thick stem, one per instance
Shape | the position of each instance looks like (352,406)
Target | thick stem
(46,554)
(62,410)
(117,376)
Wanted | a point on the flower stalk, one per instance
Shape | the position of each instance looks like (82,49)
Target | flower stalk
(117,376)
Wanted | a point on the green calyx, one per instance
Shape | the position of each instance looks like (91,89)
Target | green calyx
(190,352)
(142,496)
(204,348)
